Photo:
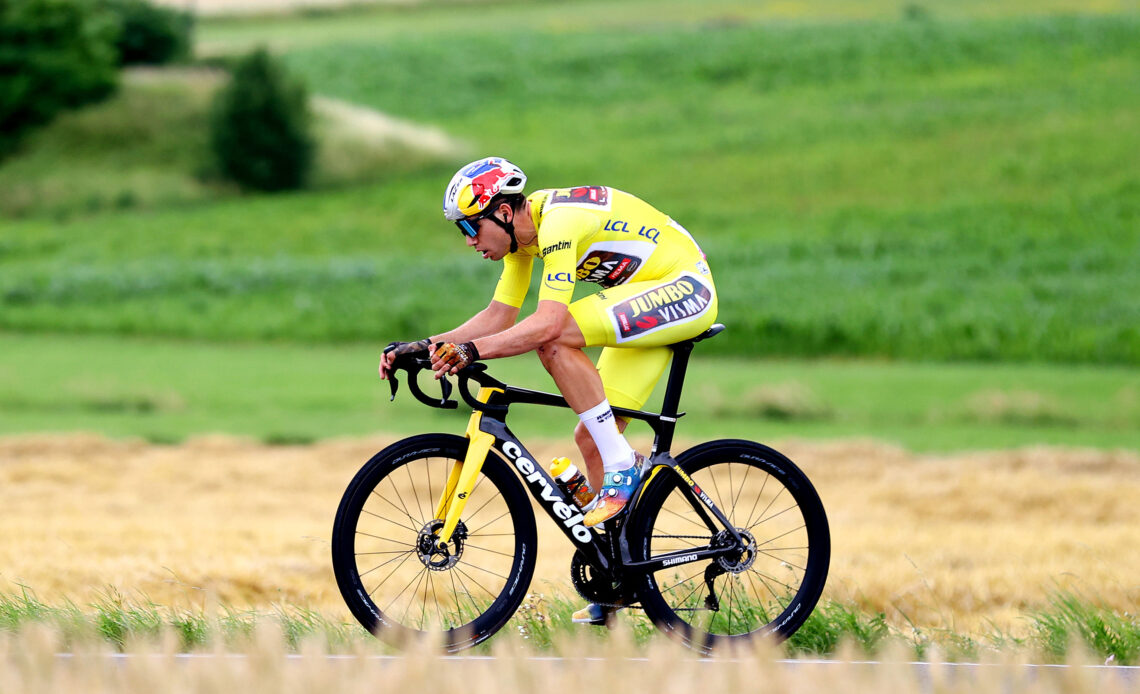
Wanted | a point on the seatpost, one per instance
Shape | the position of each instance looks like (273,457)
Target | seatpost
(672,401)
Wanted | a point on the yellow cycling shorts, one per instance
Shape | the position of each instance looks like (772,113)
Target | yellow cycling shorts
(636,322)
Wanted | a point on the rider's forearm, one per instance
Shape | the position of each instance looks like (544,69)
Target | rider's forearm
(532,332)
(496,318)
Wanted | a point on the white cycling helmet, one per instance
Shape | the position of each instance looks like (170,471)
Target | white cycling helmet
(474,186)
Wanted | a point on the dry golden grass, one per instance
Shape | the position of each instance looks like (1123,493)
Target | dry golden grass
(965,542)
(28,663)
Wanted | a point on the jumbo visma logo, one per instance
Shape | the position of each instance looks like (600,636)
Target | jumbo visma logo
(571,517)
(673,303)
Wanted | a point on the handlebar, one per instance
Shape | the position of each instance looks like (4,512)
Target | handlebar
(416,362)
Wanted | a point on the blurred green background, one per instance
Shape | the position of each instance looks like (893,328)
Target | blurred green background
(923,217)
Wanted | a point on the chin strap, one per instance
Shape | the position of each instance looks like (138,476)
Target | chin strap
(508,227)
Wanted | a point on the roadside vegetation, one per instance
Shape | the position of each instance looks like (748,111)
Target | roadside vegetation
(1070,625)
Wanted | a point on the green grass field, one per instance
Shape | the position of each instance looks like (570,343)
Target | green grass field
(923,220)
(955,186)
(167,390)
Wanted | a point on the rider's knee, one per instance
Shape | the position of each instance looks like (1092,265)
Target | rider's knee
(547,353)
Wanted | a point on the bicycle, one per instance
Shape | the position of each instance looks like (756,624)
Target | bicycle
(443,526)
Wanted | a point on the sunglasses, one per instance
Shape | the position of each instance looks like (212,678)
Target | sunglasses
(469,227)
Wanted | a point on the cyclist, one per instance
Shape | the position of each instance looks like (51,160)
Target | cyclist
(656,290)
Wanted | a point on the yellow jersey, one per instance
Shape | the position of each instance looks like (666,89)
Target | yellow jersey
(595,234)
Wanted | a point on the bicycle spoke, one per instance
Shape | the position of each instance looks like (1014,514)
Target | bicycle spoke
(430,496)
(774,515)
(785,561)
(682,581)
(417,579)
(492,551)
(472,516)
(385,518)
(435,596)
(472,579)
(455,594)
(702,526)
(467,592)
(475,532)
(743,483)
(393,572)
(759,496)
(777,537)
(731,596)
(400,507)
(362,575)
(487,571)
(416,495)
(719,496)
(767,507)
(764,578)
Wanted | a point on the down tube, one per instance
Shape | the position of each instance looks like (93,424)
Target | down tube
(558,506)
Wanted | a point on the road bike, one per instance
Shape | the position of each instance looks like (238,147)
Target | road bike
(435,536)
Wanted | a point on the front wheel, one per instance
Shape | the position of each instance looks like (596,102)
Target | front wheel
(395,580)
(767,587)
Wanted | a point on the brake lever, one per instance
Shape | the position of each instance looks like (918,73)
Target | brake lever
(395,384)
(445,390)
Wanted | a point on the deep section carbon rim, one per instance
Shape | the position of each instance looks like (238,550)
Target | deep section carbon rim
(769,584)
(399,582)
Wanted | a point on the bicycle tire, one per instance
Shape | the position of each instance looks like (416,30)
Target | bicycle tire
(770,595)
(378,546)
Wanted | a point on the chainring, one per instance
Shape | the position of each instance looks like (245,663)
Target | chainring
(594,586)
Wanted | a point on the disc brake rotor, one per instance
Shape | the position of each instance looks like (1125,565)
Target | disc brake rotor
(433,556)
(737,562)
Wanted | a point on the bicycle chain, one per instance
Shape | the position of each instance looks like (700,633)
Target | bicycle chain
(615,605)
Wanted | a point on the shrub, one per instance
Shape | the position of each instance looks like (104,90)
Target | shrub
(260,127)
(150,34)
(54,55)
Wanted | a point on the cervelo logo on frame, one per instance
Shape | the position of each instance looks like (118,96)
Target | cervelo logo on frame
(571,517)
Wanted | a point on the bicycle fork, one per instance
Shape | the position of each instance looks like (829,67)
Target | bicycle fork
(461,480)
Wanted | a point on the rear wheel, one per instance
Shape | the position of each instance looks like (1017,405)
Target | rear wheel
(395,580)
(767,587)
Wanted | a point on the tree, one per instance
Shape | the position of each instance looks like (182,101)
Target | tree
(260,126)
(150,34)
(54,55)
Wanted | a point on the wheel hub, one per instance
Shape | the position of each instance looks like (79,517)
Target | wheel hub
(434,556)
(744,558)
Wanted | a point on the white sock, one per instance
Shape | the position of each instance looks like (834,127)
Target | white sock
(616,452)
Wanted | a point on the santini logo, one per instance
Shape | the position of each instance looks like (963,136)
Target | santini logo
(560,246)
(679,560)
(570,516)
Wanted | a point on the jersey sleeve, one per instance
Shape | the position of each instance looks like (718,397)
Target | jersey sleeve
(515,280)
(558,241)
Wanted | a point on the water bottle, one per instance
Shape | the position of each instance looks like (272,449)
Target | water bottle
(572,482)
